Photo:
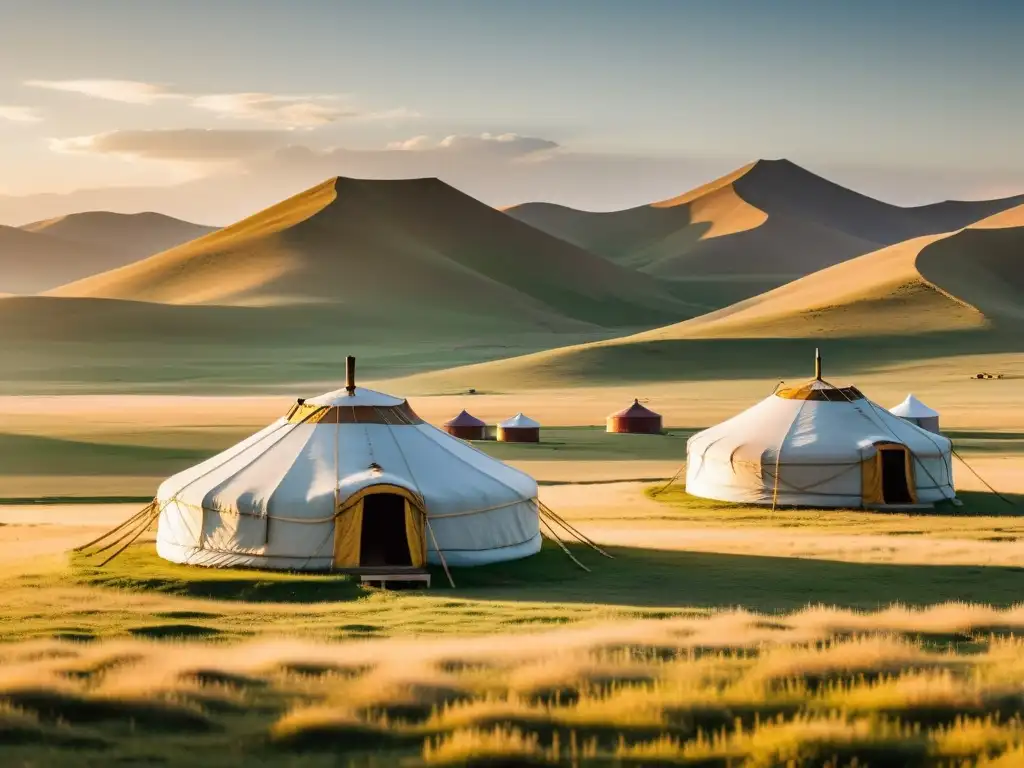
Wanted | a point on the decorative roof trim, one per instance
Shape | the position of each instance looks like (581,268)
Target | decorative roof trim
(395,415)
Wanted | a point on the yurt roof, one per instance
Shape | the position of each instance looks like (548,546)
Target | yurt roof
(912,408)
(361,396)
(300,460)
(816,389)
(520,421)
(363,406)
(636,411)
(812,430)
(465,419)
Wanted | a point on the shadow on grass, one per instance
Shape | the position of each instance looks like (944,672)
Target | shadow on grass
(636,577)
(660,578)
(974,504)
(61,706)
(966,441)
(139,568)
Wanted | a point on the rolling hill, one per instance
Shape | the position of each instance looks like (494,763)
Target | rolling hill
(931,296)
(763,225)
(418,248)
(140,233)
(46,254)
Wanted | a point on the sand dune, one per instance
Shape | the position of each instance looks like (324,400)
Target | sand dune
(971,278)
(413,245)
(45,254)
(770,219)
(934,296)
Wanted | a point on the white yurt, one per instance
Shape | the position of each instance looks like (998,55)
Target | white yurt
(916,412)
(817,445)
(351,479)
(519,429)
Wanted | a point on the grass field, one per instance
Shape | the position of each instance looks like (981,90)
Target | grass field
(118,462)
(718,635)
(713,635)
(181,666)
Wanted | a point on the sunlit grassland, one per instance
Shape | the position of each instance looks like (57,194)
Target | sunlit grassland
(734,689)
(65,458)
(140,595)
(659,656)
(982,516)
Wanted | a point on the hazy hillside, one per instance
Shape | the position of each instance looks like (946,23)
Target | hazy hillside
(934,295)
(764,224)
(46,254)
(142,234)
(417,246)
(31,262)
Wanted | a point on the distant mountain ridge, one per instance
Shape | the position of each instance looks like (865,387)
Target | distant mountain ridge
(416,244)
(948,294)
(147,232)
(45,254)
(770,218)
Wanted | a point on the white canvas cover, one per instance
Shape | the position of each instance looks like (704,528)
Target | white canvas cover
(271,500)
(519,421)
(912,408)
(818,449)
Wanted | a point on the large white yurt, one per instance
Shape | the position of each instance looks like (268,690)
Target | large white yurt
(351,479)
(818,445)
(916,412)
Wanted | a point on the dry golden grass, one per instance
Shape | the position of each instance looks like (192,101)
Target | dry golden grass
(714,689)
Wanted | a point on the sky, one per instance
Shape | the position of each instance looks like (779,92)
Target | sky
(211,109)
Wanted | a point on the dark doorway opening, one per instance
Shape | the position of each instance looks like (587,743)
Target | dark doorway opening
(895,483)
(383,540)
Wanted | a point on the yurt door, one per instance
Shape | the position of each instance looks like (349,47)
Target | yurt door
(380,526)
(384,539)
(895,479)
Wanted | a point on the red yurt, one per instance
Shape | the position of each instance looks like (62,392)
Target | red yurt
(636,420)
(466,427)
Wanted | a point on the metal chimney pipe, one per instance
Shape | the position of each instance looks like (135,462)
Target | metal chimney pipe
(817,364)
(350,375)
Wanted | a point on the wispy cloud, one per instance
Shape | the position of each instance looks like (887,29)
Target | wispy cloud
(190,145)
(506,144)
(213,144)
(411,145)
(291,111)
(126,91)
(15,114)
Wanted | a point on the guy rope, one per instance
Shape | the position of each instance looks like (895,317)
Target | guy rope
(124,534)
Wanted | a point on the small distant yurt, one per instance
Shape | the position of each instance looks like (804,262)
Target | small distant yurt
(636,420)
(350,480)
(818,445)
(916,412)
(519,429)
(466,427)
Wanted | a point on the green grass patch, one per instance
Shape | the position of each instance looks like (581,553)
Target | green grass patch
(548,589)
(592,444)
(982,515)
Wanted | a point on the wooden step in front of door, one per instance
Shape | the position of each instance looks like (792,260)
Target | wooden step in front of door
(384,575)
(899,507)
